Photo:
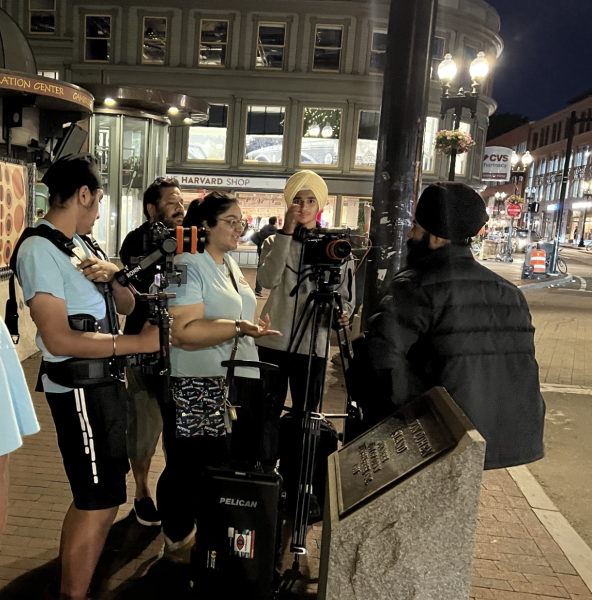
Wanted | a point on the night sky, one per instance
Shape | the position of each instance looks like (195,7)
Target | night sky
(547,58)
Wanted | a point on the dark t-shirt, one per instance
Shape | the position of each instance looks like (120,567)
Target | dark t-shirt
(260,236)
(133,246)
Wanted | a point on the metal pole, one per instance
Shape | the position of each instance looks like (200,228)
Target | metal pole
(400,143)
(570,136)
(581,244)
(452,172)
(509,246)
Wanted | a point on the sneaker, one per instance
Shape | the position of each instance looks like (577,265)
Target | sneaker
(259,294)
(179,552)
(146,512)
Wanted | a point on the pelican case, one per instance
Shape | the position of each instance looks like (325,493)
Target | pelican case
(238,536)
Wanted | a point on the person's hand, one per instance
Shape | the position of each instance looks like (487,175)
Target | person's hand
(101,271)
(343,320)
(257,331)
(148,339)
(292,217)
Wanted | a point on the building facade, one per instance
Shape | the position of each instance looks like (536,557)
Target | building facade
(291,85)
(546,139)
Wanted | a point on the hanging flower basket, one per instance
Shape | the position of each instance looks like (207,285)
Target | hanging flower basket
(447,141)
(514,199)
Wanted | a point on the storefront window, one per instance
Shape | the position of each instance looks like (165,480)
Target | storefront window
(213,43)
(320,136)
(154,46)
(133,178)
(257,208)
(378,51)
(461,159)
(106,149)
(327,216)
(271,43)
(327,50)
(355,214)
(97,39)
(42,16)
(367,145)
(207,141)
(265,134)
(431,128)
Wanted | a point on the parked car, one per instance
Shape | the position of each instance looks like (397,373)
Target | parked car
(524,238)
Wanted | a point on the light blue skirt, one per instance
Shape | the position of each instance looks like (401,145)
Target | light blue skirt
(17,415)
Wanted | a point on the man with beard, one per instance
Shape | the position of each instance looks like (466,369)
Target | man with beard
(163,202)
(448,321)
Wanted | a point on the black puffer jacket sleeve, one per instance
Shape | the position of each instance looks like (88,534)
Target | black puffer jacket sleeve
(403,317)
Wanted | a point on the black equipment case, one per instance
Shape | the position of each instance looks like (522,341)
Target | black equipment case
(238,536)
(241,507)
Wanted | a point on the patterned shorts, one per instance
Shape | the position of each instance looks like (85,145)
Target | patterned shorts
(200,406)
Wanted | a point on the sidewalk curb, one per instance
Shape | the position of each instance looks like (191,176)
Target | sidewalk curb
(552,281)
(567,538)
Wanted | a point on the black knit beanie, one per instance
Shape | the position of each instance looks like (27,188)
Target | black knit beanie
(452,211)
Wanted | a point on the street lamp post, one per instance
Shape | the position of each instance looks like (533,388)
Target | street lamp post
(532,206)
(587,193)
(447,71)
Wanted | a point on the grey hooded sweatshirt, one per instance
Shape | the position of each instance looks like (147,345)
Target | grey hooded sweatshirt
(278,272)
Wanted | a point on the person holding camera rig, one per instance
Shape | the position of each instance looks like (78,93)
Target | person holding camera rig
(213,318)
(68,284)
(163,203)
(279,271)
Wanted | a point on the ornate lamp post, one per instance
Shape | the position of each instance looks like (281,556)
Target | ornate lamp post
(587,193)
(447,70)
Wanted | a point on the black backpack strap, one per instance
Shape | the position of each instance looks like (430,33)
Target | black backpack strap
(59,240)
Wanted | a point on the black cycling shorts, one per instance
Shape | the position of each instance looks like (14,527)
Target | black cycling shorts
(91,424)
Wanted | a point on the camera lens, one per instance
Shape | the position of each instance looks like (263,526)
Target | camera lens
(338,249)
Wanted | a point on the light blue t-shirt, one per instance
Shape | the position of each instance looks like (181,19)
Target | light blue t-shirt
(42,267)
(210,283)
(17,416)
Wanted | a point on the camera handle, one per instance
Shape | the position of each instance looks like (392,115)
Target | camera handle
(158,304)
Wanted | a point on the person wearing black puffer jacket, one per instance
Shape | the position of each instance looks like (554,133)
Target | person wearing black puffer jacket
(449,321)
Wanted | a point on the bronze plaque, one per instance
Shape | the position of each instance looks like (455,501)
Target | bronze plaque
(390,451)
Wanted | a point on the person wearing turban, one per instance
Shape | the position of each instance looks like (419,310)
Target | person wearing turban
(281,272)
(449,321)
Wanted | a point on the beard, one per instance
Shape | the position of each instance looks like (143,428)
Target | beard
(416,250)
(169,221)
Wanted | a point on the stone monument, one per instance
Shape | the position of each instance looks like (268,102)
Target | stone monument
(401,507)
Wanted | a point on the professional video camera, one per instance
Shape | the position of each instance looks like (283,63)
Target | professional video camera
(326,247)
(160,245)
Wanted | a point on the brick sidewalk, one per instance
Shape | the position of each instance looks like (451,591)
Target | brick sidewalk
(515,557)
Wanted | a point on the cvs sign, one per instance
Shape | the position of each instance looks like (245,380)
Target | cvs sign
(496,164)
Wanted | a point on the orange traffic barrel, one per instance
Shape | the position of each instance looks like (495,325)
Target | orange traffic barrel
(538,261)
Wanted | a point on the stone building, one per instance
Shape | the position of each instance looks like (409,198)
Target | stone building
(291,85)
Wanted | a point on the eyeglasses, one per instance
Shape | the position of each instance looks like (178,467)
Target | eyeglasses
(236,224)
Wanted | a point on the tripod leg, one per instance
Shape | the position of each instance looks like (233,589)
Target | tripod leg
(311,431)
(302,326)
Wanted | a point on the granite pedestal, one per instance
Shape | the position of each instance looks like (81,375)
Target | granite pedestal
(401,507)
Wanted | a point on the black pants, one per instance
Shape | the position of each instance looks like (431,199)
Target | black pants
(293,371)
(179,486)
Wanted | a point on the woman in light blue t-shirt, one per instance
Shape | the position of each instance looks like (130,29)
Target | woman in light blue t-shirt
(212,313)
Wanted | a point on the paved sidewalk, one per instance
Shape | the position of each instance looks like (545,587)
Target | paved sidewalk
(516,558)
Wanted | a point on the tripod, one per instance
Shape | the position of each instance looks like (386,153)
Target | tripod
(322,308)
